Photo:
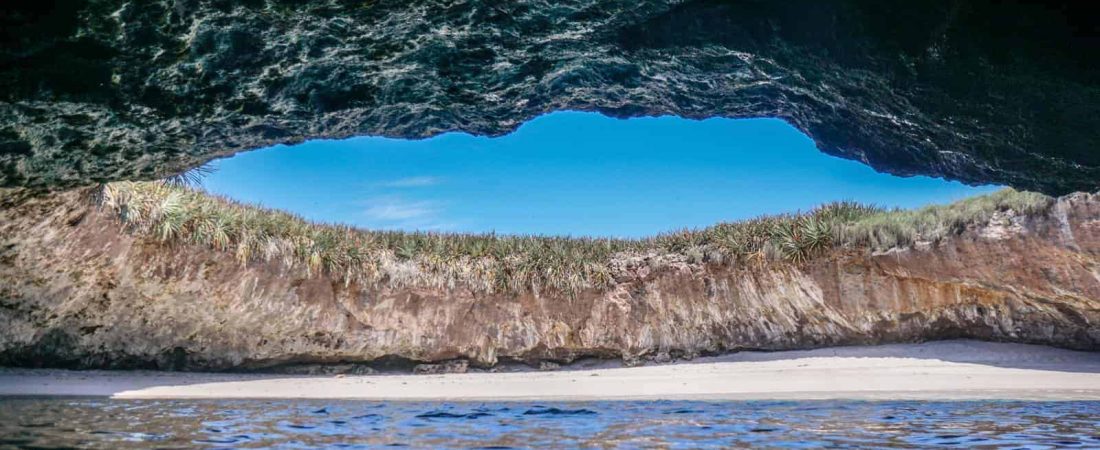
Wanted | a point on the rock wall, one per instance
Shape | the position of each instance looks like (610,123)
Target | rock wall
(76,291)
(982,91)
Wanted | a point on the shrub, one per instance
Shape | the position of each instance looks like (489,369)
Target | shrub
(887,229)
(176,214)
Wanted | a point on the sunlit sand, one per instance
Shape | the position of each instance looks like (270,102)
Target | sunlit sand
(943,370)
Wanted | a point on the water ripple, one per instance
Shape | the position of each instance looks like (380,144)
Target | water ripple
(97,423)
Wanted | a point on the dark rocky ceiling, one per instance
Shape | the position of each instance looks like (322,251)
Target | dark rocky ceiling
(978,91)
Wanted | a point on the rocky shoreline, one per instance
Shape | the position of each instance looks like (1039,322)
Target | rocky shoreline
(78,291)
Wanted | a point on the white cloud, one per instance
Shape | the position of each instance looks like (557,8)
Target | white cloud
(411,182)
(395,212)
(395,208)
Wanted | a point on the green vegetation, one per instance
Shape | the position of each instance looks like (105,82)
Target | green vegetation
(176,214)
(190,178)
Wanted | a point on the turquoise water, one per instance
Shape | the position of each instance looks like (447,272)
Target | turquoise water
(101,423)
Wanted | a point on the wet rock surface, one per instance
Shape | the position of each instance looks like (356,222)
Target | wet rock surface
(979,91)
(77,291)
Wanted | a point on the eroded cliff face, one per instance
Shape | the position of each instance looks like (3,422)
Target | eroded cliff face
(77,291)
(978,91)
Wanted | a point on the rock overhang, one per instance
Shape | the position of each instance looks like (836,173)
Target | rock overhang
(979,91)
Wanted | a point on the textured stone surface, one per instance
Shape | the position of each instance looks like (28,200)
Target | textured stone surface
(77,291)
(979,91)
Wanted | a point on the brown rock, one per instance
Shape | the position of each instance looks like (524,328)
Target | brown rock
(459,366)
(78,291)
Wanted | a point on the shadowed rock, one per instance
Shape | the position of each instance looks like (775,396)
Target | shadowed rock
(977,91)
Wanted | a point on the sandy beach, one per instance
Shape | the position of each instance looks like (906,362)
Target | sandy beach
(929,371)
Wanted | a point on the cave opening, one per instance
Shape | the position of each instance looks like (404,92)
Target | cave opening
(567,174)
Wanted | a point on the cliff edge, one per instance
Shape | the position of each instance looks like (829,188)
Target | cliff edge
(80,288)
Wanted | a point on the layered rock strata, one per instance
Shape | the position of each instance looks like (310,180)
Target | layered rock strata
(76,290)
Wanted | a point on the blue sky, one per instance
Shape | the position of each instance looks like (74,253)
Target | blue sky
(567,173)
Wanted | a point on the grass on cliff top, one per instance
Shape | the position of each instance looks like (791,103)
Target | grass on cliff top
(176,214)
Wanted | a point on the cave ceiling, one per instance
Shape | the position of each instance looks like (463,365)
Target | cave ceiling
(976,91)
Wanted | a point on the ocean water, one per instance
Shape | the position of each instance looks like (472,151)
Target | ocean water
(102,423)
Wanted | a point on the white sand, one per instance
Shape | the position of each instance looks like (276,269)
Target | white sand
(941,370)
